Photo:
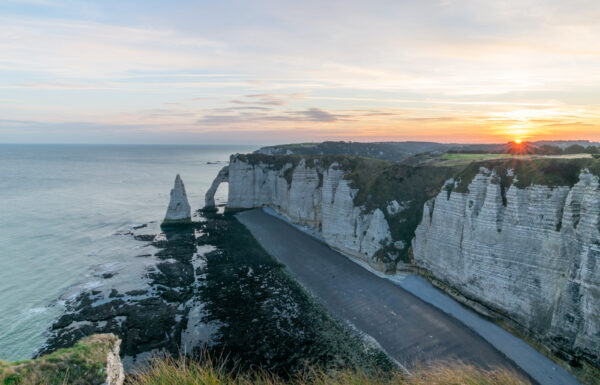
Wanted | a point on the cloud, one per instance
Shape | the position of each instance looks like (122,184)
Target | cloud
(68,49)
(458,65)
(269,99)
(319,115)
(242,108)
(309,115)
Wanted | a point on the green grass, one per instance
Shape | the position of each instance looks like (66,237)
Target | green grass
(545,171)
(464,159)
(472,157)
(185,372)
(82,364)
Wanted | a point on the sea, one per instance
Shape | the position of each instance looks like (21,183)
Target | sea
(64,210)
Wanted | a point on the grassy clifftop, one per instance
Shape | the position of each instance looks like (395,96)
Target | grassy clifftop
(85,364)
(394,151)
(545,171)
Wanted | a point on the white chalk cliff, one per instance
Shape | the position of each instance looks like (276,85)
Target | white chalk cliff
(534,258)
(222,176)
(316,197)
(530,255)
(179,210)
(115,375)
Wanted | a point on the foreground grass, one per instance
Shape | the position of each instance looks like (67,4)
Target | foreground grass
(84,363)
(185,372)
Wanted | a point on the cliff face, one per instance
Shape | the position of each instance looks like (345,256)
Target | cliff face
(313,195)
(531,254)
(522,238)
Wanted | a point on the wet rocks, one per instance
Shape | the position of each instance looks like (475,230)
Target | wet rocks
(147,319)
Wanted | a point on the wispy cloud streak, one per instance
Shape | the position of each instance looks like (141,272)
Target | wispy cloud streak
(480,71)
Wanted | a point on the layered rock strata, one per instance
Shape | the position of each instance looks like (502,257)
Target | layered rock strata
(312,195)
(530,254)
(527,251)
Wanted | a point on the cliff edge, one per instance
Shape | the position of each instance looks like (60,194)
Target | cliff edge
(93,360)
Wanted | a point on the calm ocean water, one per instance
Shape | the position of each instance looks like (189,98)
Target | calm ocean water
(61,208)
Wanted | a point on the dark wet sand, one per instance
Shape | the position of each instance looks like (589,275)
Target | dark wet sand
(407,328)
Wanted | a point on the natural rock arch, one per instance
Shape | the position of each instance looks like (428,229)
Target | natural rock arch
(209,197)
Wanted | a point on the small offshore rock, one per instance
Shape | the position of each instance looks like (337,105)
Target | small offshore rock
(144,237)
(179,211)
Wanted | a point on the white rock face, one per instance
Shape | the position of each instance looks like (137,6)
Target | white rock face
(535,260)
(394,208)
(209,197)
(530,254)
(318,198)
(344,226)
(114,368)
(179,210)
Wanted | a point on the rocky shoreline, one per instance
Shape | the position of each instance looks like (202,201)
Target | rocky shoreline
(209,287)
(149,317)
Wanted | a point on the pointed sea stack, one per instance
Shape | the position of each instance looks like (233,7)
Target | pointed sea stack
(179,211)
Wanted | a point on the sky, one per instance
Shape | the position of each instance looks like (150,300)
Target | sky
(266,72)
